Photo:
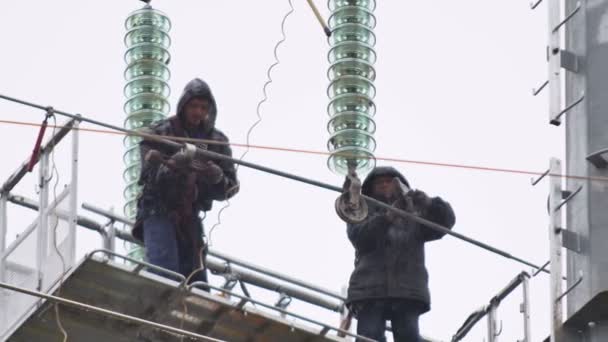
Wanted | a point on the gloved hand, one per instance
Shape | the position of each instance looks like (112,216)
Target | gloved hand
(393,217)
(154,157)
(209,171)
(421,199)
(414,202)
(179,160)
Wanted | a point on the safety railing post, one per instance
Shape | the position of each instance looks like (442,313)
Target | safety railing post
(492,324)
(42,231)
(3,232)
(73,195)
(525,308)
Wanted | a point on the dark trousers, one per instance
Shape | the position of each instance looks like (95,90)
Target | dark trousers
(403,314)
(165,248)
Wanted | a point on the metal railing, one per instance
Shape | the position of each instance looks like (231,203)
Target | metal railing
(236,270)
(110,313)
(38,239)
(491,309)
(243,299)
(39,257)
(232,269)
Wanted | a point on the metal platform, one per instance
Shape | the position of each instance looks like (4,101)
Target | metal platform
(130,291)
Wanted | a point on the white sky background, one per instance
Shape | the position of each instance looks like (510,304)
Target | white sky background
(454,86)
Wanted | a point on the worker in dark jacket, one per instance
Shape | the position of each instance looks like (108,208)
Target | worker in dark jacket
(177,187)
(390,281)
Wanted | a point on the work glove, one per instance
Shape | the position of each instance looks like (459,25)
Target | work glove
(412,201)
(421,199)
(154,158)
(209,172)
(177,161)
(404,204)
(401,197)
(165,165)
(180,161)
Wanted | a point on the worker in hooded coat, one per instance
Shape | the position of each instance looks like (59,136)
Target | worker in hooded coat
(390,280)
(177,188)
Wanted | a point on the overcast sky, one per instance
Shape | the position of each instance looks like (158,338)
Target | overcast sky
(454,86)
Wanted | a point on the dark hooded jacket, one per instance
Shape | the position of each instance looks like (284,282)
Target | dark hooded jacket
(155,197)
(389,259)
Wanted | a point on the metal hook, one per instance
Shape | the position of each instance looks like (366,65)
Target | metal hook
(568,17)
(556,120)
(537,91)
(536,272)
(597,159)
(496,334)
(533,5)
(568,290)
(536,181)
(568,198)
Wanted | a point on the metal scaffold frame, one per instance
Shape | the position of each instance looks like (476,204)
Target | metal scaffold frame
(42,229)
(50,241)
(178,145)
(110,233)
(491,311)
(586,155)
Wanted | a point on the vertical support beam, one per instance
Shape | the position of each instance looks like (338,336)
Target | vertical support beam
(109,239)
(553,59)
(492,328)
(71,257)
(586,132)
(42,230)
(345,315)
(555,245)
(3,231)
(525,309)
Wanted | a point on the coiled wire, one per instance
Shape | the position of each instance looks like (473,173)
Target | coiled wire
(258,108)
